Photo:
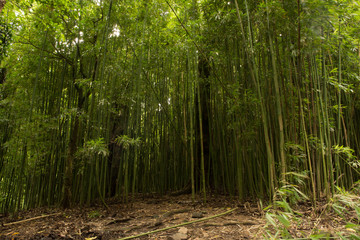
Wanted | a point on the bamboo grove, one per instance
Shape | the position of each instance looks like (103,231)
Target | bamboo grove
(112,98)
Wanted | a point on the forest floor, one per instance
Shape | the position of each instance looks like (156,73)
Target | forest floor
(144,214)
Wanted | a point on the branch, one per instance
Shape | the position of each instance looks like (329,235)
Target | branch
(179,225)
(56,55)
(30,219)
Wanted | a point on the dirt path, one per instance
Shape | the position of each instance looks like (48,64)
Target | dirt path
(144,215)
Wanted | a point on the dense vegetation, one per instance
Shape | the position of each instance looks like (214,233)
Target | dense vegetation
(109,98)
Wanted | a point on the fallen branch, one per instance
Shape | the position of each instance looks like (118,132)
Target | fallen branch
(179,225)
(30,219)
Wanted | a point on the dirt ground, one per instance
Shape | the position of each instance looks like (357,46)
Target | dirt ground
(144,214)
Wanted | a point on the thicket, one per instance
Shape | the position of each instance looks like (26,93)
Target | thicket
(110,98)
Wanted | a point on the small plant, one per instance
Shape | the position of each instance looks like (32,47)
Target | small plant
(126,141)
(94,214)
(92,148)
(347,154)
(347,205)
(280,216)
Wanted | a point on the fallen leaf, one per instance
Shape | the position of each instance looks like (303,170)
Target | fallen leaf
(205,234)
(183,230)
(179,236)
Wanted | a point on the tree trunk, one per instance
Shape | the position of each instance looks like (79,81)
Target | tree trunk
(119,123)
(2,75)
(72,147)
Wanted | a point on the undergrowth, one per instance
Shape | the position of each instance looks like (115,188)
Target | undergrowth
(286,220)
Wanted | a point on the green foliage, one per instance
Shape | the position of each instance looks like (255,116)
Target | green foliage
(296,156)
(344,203)
(115,90)
(5,37)
(347,204)
(94,214)
(93,148)
(281,216)
(127,142)
(347,154)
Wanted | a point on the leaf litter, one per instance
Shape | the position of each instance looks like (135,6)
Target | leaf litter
(146,214)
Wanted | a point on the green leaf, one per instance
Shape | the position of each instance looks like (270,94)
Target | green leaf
(270,219)
(284,220)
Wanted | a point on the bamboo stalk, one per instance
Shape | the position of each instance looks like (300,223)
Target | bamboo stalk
(31,219)
(179,225)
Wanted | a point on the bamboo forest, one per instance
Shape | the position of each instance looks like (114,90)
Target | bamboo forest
(112,99)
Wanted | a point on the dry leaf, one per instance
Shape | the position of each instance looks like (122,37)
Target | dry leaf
(205,234)
(183,230)
(179,236)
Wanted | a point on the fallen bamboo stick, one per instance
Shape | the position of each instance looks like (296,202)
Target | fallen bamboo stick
(30,219)
(179,225)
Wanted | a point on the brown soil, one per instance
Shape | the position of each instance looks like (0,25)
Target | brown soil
(145,214)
